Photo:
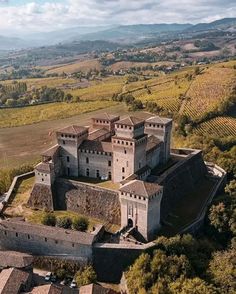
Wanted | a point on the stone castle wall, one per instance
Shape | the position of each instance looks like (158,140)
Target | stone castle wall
(41,197)
(180,180)
(89,200)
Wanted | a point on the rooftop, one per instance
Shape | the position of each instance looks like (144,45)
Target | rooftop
(96,134)
(11,280)
(43,167)
(74,130)
(50,152)
(141,188)
(15,259)
(47,289)
(130,121)
(152,143)
(158,120)
(46,231)
(96,146)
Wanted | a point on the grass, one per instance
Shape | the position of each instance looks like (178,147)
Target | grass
(33,114)
(99,183)
(83,66)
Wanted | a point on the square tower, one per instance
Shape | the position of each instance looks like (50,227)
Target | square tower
(161,128)
(129,148)
(69,139)
(140,207)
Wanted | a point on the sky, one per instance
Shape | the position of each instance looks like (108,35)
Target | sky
(49,15)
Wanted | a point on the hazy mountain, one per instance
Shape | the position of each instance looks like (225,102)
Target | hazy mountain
(12,43)
(221,24)
(135,31)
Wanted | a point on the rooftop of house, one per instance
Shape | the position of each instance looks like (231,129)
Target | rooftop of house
(47,289)
(130,121)
(43,167)
(12,279)
(95,289)
(15,259)
(140,188)
(47,232)
(73,130)
(106,116)
(159,120)
(51,151)
(97,146)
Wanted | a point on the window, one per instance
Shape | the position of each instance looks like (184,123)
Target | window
(5,232)
(123,169)
(109,163)
(64,142)
(87,160)
(87,172)
(56,242)
(45,239)
(28,236)
(42,180)
(123,178)
(98,173)
(16,234)
(109,175)
(68,158)
(73,245)
(125,151)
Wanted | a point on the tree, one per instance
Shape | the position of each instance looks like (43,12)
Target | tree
(49,219)
(80,224)
(85,276)
(193,286)
(222,270)
(64,222)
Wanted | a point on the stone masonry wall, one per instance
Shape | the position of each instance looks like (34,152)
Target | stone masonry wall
(41,197)
(89,200)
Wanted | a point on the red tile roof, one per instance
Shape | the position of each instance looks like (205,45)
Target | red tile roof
(12,279)
(130,121)
(141,188)
(74,130)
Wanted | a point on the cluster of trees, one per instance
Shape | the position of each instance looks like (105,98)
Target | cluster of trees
(77,223)
(20,72)
(131,102)
(16,94)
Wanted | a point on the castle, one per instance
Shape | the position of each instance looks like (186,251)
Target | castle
(121,150)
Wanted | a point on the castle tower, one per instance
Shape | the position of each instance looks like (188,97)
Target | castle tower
(160,128)
(69,139)
(140,207)
(129,148)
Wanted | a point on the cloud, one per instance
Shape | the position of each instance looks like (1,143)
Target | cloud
(48,15)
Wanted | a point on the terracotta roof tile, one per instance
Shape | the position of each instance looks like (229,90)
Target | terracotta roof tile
(158,120)
(96,134)
(141,188)
(106,116)
(95,289)
(47,289)
(12,279)
(130,121)
(15,259)
(43,167)
(52,151)
(75,130)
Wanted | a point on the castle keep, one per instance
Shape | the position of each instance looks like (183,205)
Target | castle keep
(121,150)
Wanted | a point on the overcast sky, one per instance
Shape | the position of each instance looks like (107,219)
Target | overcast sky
(48,15)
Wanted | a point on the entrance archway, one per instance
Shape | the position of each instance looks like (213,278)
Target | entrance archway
(130,223)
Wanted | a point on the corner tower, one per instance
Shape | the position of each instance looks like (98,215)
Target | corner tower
(69,139)
(129,148)
(161,128)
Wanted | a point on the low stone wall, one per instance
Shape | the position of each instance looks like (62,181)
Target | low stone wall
(10,192)
(89,200)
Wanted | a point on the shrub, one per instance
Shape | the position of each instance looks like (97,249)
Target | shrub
(86,276)
(64,222)
(80,224)
(49,219)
